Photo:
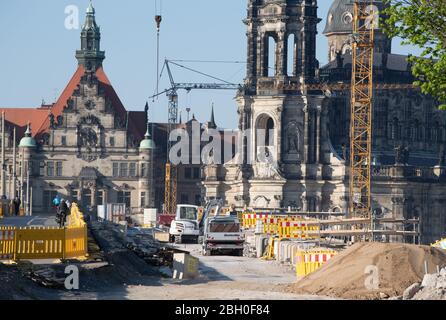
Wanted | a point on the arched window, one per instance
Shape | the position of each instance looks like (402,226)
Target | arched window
(272,56)
(346,49)
(265,136)
(291,55)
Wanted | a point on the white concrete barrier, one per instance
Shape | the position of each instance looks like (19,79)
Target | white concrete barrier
(184,266)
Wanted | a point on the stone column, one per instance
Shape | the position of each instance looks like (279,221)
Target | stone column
(281,56)
(304,201)
(318,134)
(306,132)
(398,206)
(323,136)
(318,203)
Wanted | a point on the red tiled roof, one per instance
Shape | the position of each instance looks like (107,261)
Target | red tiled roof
(39,118)
(21,116)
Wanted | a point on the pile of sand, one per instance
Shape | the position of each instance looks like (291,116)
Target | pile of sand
(398,266)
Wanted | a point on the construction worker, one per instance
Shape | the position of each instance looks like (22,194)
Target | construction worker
(56,201)
(63,212)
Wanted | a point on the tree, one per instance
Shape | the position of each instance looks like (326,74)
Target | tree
(422,23)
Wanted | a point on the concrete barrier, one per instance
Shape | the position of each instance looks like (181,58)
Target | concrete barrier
(287,250)
(184,266)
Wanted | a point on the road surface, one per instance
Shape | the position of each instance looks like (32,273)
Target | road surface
(221,277)
(33,221)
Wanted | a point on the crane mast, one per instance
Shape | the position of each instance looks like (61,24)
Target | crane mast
(361,109)
(171,175)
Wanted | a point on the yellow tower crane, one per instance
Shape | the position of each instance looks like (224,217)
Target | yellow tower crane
(364,23)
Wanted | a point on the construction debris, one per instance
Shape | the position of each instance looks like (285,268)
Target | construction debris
(372,271)
(433,287)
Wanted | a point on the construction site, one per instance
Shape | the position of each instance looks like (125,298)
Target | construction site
(334,188)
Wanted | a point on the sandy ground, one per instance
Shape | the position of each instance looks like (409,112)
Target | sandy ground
(226,277)
(221,277)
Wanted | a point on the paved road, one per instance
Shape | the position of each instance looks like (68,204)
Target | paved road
(34,221)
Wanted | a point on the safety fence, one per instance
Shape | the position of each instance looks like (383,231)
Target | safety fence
(46,242)
(249,220)
(309,261)
(289,227)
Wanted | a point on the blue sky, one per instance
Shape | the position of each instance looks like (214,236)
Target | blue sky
(37,51)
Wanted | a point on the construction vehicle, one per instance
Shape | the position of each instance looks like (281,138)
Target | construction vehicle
(220,232)
(185,225)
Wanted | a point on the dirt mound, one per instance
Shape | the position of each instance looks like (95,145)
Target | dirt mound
(397,265)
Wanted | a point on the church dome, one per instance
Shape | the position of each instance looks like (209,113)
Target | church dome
(147,143)
(340,17)
(27,141)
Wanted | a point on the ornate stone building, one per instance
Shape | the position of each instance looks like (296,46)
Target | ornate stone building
(86,146)
(308,132)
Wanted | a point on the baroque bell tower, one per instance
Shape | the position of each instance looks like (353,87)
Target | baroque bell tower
(286,147)
(90,54)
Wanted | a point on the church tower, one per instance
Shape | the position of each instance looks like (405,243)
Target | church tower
(286,143)
(90,55)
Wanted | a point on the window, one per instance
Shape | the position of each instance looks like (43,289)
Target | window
(50,168)
(124,197)
(123,169)
(143,170)
(132,169)
(100,198)
(112,141)
(188,213)
(196,173)
(143,199)
(115,169)
(42,168)
(63,141)
(188,173)
(184,198)
(59,168)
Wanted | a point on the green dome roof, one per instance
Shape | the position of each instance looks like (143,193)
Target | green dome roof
(147,143)
(27,141)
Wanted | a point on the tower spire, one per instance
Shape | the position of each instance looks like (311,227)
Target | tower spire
(90,55)
(211,123)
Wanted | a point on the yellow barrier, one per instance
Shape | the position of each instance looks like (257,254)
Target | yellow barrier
(46,242)
(6,243)
(440,244)
(269,253)
(310,261)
